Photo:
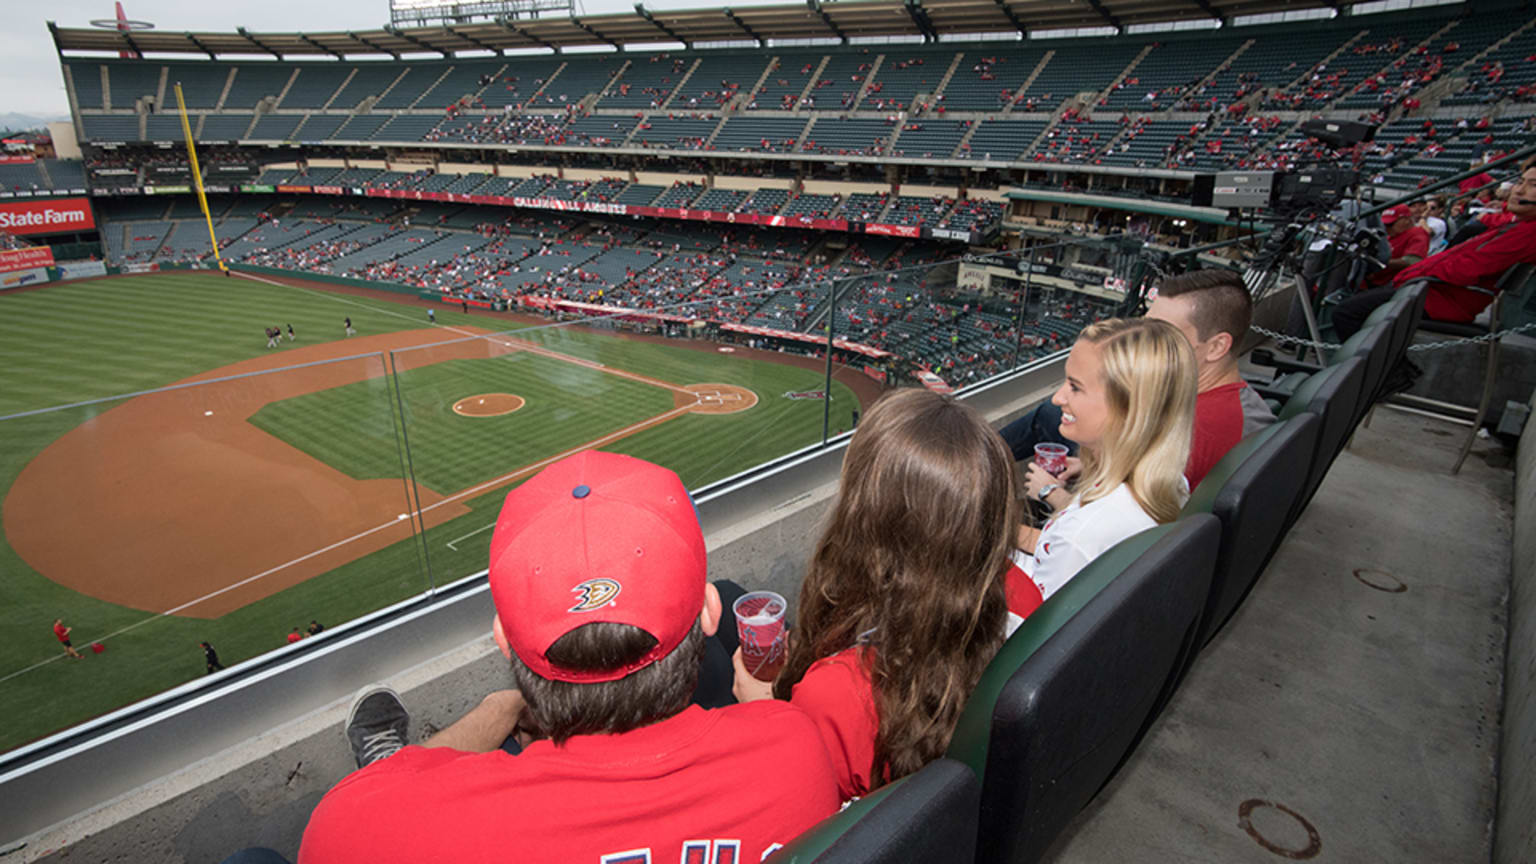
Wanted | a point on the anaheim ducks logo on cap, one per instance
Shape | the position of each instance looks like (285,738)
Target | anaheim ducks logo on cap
(595,594)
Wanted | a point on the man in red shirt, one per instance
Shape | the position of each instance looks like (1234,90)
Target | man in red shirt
(61,633)
(1213,309)
(1409,242)
(597,570)
(1479,261)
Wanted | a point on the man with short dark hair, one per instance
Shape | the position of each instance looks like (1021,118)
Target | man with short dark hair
(1212,308)
(597,570)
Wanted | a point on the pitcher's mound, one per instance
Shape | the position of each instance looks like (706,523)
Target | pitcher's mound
(721,398)
(487,405)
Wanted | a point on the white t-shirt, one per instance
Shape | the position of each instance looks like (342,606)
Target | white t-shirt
(1076,535)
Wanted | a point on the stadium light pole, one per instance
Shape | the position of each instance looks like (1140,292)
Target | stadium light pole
(197,177)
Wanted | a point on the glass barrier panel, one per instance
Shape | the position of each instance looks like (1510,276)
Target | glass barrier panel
(666,382)
(240,511)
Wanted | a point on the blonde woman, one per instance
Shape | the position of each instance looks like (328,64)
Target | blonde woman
(1129,403)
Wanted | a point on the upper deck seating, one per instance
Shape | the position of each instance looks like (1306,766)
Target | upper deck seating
(225,127)
(928,138)
(647,82)
(903,75)
(1002,139)
(718,79)
(578,79)
(837,87)
(682,132)
(276,127)
(201,83)
(1170,72)
(517,83)
(1081,68)
(87,80)
(988,77)
(255,82)
(315,86)
(368,79)
(849,137)
(765,134)
(785,81)
(20,177)
(408,88)
(319,127)
(464,81)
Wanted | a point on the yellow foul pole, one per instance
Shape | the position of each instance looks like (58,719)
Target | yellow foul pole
(197,176)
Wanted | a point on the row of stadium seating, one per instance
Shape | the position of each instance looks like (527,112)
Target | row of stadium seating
(942,212)
(1088,673)
(772,279)
(41,175)
(1370,58)
(1126,140)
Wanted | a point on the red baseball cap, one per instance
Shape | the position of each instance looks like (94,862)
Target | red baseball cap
(597,537)
(1393,214)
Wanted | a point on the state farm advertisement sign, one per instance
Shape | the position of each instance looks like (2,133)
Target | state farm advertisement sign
(51,216)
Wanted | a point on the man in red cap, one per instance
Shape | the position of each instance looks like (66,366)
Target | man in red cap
(1409,242)
(597,570)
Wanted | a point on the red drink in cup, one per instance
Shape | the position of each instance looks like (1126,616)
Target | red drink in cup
(760,628)
(1052,458)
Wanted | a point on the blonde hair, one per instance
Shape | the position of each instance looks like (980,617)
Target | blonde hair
(1149,385)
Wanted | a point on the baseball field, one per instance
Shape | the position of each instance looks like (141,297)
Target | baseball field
(170,479)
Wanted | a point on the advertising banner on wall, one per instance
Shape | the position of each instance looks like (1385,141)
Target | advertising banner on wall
(25,259)
(47,216)
(81,270)
(35,276)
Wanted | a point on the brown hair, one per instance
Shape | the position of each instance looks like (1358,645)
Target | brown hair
(1221,300)
(914,556)
(560,709)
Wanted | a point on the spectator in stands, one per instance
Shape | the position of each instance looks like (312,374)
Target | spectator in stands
(1129,403)
(1213,309)
(1409,243)
(903,605)
(625,764)
(1454,273)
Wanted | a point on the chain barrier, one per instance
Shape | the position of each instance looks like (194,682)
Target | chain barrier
(1294,340)
(1431,346)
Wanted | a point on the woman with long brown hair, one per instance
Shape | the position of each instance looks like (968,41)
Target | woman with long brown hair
(903,605)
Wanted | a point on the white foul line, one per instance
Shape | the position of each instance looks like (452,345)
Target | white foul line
(450,543)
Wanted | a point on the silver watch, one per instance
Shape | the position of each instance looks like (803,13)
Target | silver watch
(1047,489)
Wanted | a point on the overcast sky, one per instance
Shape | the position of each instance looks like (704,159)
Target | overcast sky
(29,73)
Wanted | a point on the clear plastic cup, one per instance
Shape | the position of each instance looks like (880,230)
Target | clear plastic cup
(760,629)
(1052,458)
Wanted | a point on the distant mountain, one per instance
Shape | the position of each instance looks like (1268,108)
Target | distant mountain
(12,122)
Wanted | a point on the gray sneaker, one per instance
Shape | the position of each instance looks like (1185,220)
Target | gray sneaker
(377,724)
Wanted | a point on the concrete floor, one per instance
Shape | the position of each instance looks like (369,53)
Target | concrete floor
(1370,714)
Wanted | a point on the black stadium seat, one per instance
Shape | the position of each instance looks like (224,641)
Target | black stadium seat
(1333,394)
(1252,490)
(1077,685)
(927,816)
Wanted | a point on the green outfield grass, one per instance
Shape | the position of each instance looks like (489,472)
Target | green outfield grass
(76,342)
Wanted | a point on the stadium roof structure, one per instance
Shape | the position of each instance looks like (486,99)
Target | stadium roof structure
(814,19)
